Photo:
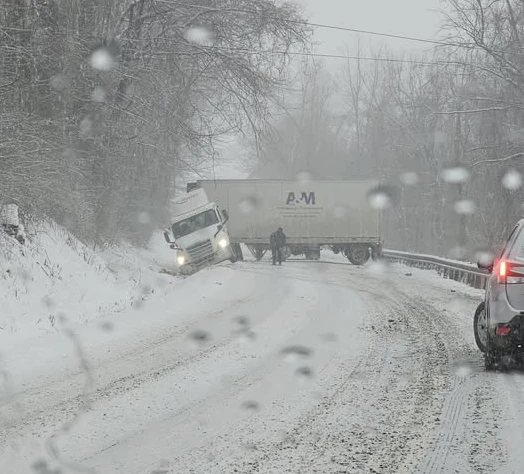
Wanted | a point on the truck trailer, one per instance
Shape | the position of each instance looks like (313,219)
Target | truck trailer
(313,214)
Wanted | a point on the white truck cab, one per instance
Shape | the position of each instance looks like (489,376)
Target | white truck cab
(199,232)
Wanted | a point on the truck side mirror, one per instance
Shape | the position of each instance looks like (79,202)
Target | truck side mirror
(226,215)
(167,237)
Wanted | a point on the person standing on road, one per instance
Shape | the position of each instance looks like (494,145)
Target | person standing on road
(278,242)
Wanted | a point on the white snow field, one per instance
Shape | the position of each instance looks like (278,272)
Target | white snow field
(314,367)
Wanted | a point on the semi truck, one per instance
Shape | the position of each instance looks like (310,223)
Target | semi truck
(314,214)
(198,232)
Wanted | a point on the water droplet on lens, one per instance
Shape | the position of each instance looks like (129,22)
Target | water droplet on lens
(247,336)
(458,253)
(59,82)
(304,372)
(512,180)
(242,321)
(199,336)
(464,206)
(292,353)
(102,58)
(378,267)
(147,290)
(250,405)
(250,447)
(248,204)
(304,178)
(382,197)
(330,337)
(144,218)
(463,369)
(199,35)
(484,257)
(48,302)
(86,126)
(99,94)
(107,326)
(62,318)
(409,178)
(339,212)
(455,174)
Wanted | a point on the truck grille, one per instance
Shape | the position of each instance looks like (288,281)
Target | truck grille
(201,253)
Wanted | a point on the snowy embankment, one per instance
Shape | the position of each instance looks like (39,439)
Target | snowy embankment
(56,277)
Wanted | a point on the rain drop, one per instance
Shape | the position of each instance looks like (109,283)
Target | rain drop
(144,218)
(458,253)
(199,336)
(463,369)
(304,372)
(455,174)
(48,302)
(86,126)
(102,59)
(330,337)
(339,212)
(99,94)
(242,321)
(464,206)
(382,197)
(147,290)
(303,178)
(250,405)
(199,35)
(59,82)
(378,267)
(293,353)
(248,205)
(409,178)
(512,180)
(247,336)
(107,326)
(485,257)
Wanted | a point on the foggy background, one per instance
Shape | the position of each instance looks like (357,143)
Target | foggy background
(109,107)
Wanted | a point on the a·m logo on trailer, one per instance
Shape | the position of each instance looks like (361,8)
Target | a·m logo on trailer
(295,199)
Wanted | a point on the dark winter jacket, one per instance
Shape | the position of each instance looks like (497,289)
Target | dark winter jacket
(278,239)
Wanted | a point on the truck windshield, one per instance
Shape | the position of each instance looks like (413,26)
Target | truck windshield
(194,223)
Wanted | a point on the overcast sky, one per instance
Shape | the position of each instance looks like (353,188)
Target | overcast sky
(418,18)
(415,18)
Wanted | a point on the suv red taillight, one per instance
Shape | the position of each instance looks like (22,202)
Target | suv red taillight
(510,273)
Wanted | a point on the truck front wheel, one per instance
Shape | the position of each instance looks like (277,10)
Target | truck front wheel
(357,254)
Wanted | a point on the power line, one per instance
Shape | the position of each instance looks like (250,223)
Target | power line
(322,25)
(338,28)
(206,49)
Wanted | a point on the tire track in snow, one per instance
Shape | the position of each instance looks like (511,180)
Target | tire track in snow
(442,458)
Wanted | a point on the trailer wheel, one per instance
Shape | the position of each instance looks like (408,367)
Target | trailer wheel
(237,253)
(357,254)
(312,254)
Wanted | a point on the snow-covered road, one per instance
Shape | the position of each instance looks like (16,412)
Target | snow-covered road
(310,368)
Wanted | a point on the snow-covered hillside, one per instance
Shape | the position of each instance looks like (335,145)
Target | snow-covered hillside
(56,277)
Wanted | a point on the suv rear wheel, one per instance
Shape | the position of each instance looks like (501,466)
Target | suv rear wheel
(480,327)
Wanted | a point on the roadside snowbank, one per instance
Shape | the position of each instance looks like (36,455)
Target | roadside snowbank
(55,276)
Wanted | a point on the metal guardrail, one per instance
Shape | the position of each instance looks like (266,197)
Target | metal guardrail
(458,271)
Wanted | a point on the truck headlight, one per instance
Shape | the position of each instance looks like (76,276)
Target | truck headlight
(223,243)
(181,259)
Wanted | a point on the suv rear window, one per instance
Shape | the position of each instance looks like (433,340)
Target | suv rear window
(516,244)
